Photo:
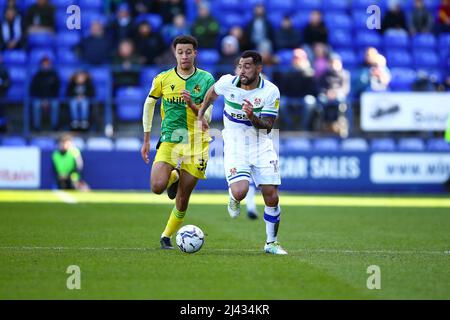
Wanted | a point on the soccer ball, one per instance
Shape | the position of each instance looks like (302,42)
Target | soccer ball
(190,238)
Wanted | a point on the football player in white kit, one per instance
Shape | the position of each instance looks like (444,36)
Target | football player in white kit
(251,108)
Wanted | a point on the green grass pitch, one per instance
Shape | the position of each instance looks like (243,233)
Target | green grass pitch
(114,239)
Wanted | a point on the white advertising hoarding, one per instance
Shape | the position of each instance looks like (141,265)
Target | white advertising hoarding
(410,168)
(20,167)
(393,111)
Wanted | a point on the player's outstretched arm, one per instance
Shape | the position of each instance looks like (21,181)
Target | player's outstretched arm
(209,99)
(265,123)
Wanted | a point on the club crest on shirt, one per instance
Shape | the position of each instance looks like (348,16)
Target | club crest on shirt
(257,102)
(197,88)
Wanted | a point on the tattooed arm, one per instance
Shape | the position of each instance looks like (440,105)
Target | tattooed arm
(259,123)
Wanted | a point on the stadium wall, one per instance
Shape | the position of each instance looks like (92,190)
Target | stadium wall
(330,172)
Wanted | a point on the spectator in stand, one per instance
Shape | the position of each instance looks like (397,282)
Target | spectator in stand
(126,65)
(395,20)
(5,82)
(44,93)
(148,44)
(228,54)
(443,17)
(425,82)
(334,87)
(178,27)
(238,33)
(321,59)
(138,7)
(68,165)
(171,8)
(80,90)
(205,28)
(421,19)
(374,74)
(11,32)
(40,17)
(96,48)
(259,28)
(299,91)
(122,26)
(287,37)
(316,30)
(11,4)
(266,51)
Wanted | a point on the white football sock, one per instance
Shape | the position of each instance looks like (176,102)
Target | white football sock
(231,194)
(272,219)
(250,199)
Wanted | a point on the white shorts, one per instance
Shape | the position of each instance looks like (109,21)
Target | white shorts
(257,162)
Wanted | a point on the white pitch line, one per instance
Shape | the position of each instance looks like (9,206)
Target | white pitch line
(307,251)
(65,197)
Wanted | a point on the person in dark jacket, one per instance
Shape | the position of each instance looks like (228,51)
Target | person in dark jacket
(122,26)
(41,17)
(11,30)
(287,37)
(80,90)
(299,90)
(259,28)
(316,30)
(149,44)
(421,19)
(44,92)
(205,28)
(5,81)
(395,20)
(96,48)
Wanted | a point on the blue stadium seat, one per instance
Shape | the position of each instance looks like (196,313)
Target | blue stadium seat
(338,20)
(300,19)
(67,57)
(309,4)
(359,19)
(229,5)
(147,75)
(348,57)
(382,144)
(297,144)
(438,144)
(101,78)
(364,4)
(16,92)
(66,72)
(229,20)
(14,141)
(340,38)
(91,4)
(14,57)
(129,103)
(155,20)
(424,40)
(43,143)
(99,144)
(207,57)
(426,59)
(275,18)
(41,40)
(27,3)
(90,16)
(399,58)
(411,144)
(335,5)
(326,144)
(284,6)
(369,38)
(37,54)
(18,74)
(63,4)
(402,79)
(444,41)
(285,56)
(68,38)
(354,144)
(391,41)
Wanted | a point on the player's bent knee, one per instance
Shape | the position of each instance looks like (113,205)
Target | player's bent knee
(239,195)
(271,199)
(158,187)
